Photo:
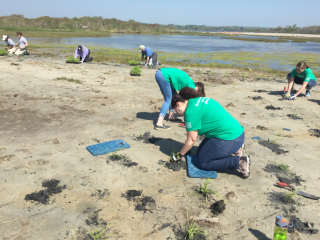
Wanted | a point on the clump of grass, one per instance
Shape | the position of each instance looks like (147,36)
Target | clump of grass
(227,73)
(100,232)
(3,52)
(283,166)
(142,132)
(244,75)
(199,71)
(115,155)
(291,195)
(136,71)
(277,137)
(193,229)
(72,60)
(187,68)
(69,80)
(132,62)
(205,190)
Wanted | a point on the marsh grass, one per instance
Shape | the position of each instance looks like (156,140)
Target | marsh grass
(192,229)
(142,133)
(277,137)
(280,39)
(100,232)
(3,52)
(133,62)
(136,71)
(291,195)
(69,80)
(206,191)
(72,59)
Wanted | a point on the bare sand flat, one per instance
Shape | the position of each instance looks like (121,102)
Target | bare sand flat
(45,126)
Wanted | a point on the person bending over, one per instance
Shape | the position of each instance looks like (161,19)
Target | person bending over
(151,56)
(22,46)
(10,44)
(171,80)
(84,54)
(302,75)
(224,134)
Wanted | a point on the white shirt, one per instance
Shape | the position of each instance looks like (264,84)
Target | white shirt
(22,41)
(10,42)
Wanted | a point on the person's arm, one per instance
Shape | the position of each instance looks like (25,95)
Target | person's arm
(191,139)
(290,84)
(76,53)
(147,61)
(25,45)
(304,85)
(141,59)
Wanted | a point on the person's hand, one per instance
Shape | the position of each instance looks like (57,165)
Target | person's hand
(176,157)
(80,61)
(292,97)
(146,65)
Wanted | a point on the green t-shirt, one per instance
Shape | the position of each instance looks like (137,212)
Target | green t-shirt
(211,119)
(177,78)
(306,75)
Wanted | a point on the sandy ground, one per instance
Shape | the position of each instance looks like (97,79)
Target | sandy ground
(278,34)
(45,126)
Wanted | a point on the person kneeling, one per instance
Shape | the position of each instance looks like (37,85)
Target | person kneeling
(84,54)
(23,44)
(10,45)
(224,134)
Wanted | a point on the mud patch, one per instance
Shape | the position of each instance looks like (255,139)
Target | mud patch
(257,98)
(283,175)
(43,196)
(146,138)
(142,203)
(271,107)
(261,127)
(303,227)
(279,197)
(273,147)
(99,194)
(314,132)
(93,219)
(294,117)
(176,166)
(6,158)
(122,160)
(260,91)
(218,207)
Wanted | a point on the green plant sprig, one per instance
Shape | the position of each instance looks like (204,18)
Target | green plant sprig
(193,229)
(205,190)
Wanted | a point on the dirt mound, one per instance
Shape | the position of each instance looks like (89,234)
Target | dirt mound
(294,117)
(43,196)
(218,207)
(315,132)
(143,203)
(271,107)
(261,127)
(176,166)
(303,227)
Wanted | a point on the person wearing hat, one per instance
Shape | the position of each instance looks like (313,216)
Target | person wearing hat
(10,44)
(22,46)
(84,54)
(151,56)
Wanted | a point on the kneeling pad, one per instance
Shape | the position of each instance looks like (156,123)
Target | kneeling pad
(194,172)
(107,147)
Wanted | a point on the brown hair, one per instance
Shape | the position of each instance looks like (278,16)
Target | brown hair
(185,94)
(303,65)
(200,86)
(19,33)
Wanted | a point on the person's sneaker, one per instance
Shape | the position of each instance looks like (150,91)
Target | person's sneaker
(245,166)
(163,127)
(308,93)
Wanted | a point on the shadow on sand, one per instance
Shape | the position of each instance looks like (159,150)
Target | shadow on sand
(259,235)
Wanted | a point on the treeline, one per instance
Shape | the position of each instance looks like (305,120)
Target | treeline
(204,28)
(83,23)
(295,29)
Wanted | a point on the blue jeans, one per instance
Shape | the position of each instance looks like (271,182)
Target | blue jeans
(214,153)
(167,93)
(312,83)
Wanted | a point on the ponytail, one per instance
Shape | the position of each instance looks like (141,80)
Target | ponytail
(185,94)
(200,86)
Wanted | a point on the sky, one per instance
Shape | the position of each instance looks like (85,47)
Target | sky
(262,13)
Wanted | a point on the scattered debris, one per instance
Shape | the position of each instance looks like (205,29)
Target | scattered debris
(256,138)
(122,159)
(273,108)
(294,117)
(287,129)
(99,194)
(94,220)
(6,158)
(209,220)
(230,105)
(218,207)
(315,132)
(303,227)
(261,127)
(260,91)
(44,195)
(257,98)
(143,203)
(147,138)
(283,174)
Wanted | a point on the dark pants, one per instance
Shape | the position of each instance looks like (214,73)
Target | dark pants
(312,83)
(214,153)
(87,59)
(154,57)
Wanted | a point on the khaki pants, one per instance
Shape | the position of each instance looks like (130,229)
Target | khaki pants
(12,50)
(20,52)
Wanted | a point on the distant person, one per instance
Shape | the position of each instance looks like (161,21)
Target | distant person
(84,54)
(150,56)
(22,46)
(223,144)
(10,44)
(301,75)
(171,80)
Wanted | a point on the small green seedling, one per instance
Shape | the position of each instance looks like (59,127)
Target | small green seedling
(244,75)
(69,80)
(115,155)
(227,73)
(187,68)
(277,137)
(100,232)
(71,60)
(290,195)
(132,62)
(3,52)
(77,233)
(136,71)
(193,229)
(199,71)
(283,166)
(206,191)
(142,133)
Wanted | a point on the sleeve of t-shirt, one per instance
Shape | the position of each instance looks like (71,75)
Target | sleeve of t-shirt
(308,77)
(192,122)
(293,73)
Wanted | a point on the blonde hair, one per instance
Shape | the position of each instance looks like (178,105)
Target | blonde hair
(303,65)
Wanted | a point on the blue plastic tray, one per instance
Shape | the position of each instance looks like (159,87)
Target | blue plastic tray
(107,147)
(194,172)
